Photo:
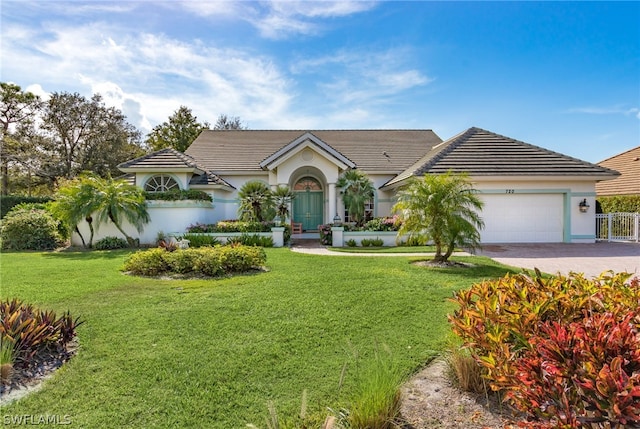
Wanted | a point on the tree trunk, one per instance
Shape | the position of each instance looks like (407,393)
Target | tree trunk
(130,240)
(89,220)
(4,172)
(84,245)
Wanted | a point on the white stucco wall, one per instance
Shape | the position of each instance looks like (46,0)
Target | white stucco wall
(166,216)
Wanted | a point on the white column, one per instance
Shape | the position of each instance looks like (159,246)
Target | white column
(332,202)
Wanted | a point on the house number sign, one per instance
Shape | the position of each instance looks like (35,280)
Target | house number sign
(509,191)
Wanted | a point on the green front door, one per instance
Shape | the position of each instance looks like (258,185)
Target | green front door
(307,209)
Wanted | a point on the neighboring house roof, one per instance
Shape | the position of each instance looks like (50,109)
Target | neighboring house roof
(628,183)
(370,150)
(171,160)
(482,153)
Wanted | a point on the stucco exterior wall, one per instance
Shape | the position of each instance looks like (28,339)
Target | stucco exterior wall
(166,216)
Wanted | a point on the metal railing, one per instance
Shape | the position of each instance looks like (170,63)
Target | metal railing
(618,227)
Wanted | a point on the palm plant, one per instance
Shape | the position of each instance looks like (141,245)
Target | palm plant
(357,189)
(282,197)
(442,208)
(108,199)
(256,201)
(74,202)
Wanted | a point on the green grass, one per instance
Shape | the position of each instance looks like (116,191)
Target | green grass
(212,353)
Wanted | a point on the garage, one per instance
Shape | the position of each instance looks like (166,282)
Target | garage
(523,218)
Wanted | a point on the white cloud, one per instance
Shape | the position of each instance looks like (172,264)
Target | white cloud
(281,19)
(149,75)
(360,76)
(614,110)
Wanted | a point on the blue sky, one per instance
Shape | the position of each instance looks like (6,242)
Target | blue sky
(561,75)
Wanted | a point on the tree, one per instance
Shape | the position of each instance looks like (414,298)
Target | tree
(442,208)
(282,197)
(256,201)
(357,189)
(229,123)
(75,201)
(108,199)
(17,108)
(178,132)
(86,135)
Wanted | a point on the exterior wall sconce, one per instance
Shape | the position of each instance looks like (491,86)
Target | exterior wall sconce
(583,206)
(336,220)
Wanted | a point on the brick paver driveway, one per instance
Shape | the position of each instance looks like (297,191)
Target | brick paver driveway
(590,259)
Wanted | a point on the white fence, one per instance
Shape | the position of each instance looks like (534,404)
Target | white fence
(618,227)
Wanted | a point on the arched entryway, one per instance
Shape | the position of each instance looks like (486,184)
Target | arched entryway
(308,204)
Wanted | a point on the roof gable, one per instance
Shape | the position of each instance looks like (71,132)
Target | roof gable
(161,160)
(306,140)
(482,153)
(171,161)
(628,183)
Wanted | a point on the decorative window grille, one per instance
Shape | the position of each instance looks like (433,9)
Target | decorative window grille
(161,183)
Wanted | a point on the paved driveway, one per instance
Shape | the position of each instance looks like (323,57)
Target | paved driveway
(590,259)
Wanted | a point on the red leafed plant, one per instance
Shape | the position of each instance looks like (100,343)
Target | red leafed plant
(565,350)
(585,373)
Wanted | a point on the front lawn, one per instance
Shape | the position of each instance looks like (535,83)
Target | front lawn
(212,353)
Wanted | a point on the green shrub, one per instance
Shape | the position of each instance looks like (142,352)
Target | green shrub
(383,224)
(351,243)
(179,195)
(251,240)
(148,262)
(414,241)
(225,226)
(620,204)
(7,202)
(30,229)
(31,330)
(200,240)
(110,243)
(372,242)
(208,261)
(181,262)
(565,349)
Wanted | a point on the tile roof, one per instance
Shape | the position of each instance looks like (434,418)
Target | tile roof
(628,183)
(483,153)
(371,150)
(171,159)
(163,158)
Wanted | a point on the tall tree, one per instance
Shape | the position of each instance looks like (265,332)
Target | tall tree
(178,132)
(225,122)
(357,189)
(86,135)
(17,108)
(443,208)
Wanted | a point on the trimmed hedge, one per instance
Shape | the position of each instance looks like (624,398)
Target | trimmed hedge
(7,202)
(620,204)
(189,194)
(208,261)
(110,243)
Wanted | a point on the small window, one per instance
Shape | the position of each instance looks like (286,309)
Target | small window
(161,183)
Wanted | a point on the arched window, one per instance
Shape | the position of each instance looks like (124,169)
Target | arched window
(161,183)
(307,184)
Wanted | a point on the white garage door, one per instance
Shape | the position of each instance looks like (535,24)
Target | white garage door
(522,218)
